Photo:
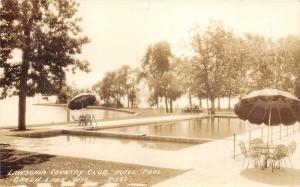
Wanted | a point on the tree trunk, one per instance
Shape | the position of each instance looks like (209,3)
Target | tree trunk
(200,103)
(212,100)
(219,107)
(23,80)
(171,106)
(229,100)
(128,101)
(190,99)
(68,114)
(132,101)
(132,96)
(117,99)
(207,106)
(22,101)
(166,103)
(119,95)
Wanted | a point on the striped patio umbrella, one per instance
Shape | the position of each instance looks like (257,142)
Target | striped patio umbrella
(269,106)
(83,100)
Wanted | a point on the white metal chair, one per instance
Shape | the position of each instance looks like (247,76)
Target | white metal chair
(278,157)
(254,150)
(251,156)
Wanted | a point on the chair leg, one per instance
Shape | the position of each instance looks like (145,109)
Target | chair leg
(243,162)
(284,162)
(265,163)
(278,164)
(259,162)
(248,163)
(290,162)
(275,164)
(253,162)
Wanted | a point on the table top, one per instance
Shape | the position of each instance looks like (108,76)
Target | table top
(265,146)
(86,115)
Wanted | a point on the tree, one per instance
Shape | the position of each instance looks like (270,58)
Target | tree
(132,87)
(185,73)
(155,63)
(289,57)
(106,88)
(258,53)
(117,84)
(48,35)
(65,94)
(68,92)
(234,67)
(209,56)
(121,83)
(174,87)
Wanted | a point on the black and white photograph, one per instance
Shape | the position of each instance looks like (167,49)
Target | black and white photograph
(140,93)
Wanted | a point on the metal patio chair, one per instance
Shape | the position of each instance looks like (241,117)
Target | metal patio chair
(255,141)
(253,149)
(249,155)
(278,157)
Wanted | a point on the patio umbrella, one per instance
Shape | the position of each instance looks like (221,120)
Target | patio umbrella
(269,106)
(83,100)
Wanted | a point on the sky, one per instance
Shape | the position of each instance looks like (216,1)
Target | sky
(121,30)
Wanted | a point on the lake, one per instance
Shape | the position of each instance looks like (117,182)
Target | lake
(37,114)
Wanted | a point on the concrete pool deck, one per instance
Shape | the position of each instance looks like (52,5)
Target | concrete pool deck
(212,165)
(209,164)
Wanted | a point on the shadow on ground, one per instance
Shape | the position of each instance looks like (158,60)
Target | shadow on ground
(10,161)
(286,177)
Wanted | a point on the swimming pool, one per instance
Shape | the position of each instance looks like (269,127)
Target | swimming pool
(129,151)
(91,144)
(206,128)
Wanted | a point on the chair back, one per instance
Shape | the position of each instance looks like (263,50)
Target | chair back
(256,141)
(281,151)
(243,148)
(292,147)
(73,118)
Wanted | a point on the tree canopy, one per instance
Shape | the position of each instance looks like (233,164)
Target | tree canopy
(158,69)
(116,84)
(47,33)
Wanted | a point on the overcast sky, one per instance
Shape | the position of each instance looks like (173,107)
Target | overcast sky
(120,30)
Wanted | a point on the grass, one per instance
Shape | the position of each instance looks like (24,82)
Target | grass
(93,171)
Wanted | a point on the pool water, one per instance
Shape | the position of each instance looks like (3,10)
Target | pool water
(91,143)
(210,128)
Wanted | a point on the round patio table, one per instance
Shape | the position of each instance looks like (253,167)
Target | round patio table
(265,149)
(266,146)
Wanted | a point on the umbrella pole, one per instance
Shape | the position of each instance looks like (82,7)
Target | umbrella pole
(269,127)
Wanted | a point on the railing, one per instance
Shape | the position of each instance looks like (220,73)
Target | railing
(275,133)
